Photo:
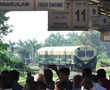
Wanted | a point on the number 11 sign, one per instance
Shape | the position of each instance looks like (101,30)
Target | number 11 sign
(75,19)
(80,13)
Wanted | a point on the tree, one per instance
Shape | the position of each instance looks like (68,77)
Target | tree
(92,38)
(27,49)
(55,40)
(12,46)
(73,39)
(4,30)
(3,53)
(34,46)
(4,27)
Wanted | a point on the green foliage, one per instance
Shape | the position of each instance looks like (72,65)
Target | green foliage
(36,58)
(98,65)
(55,40)
(103,60)
(3,54)
(15,62)
(4,27)
(5,67)
(7,60)
(92,38)
(22,79)
(73,39)
(27,49)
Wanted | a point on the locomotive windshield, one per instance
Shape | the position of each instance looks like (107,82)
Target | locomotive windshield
(89,53)
(81,53)
(85,53)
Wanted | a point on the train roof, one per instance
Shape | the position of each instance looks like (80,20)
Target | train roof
(58,48)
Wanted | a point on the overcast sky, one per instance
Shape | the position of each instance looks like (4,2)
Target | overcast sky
(29,25)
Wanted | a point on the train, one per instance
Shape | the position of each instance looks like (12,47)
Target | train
(74,57)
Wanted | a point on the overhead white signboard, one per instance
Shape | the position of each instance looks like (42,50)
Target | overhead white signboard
(50,5)
(17,5)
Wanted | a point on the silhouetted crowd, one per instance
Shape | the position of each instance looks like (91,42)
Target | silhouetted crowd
(9,80)
(44,81)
